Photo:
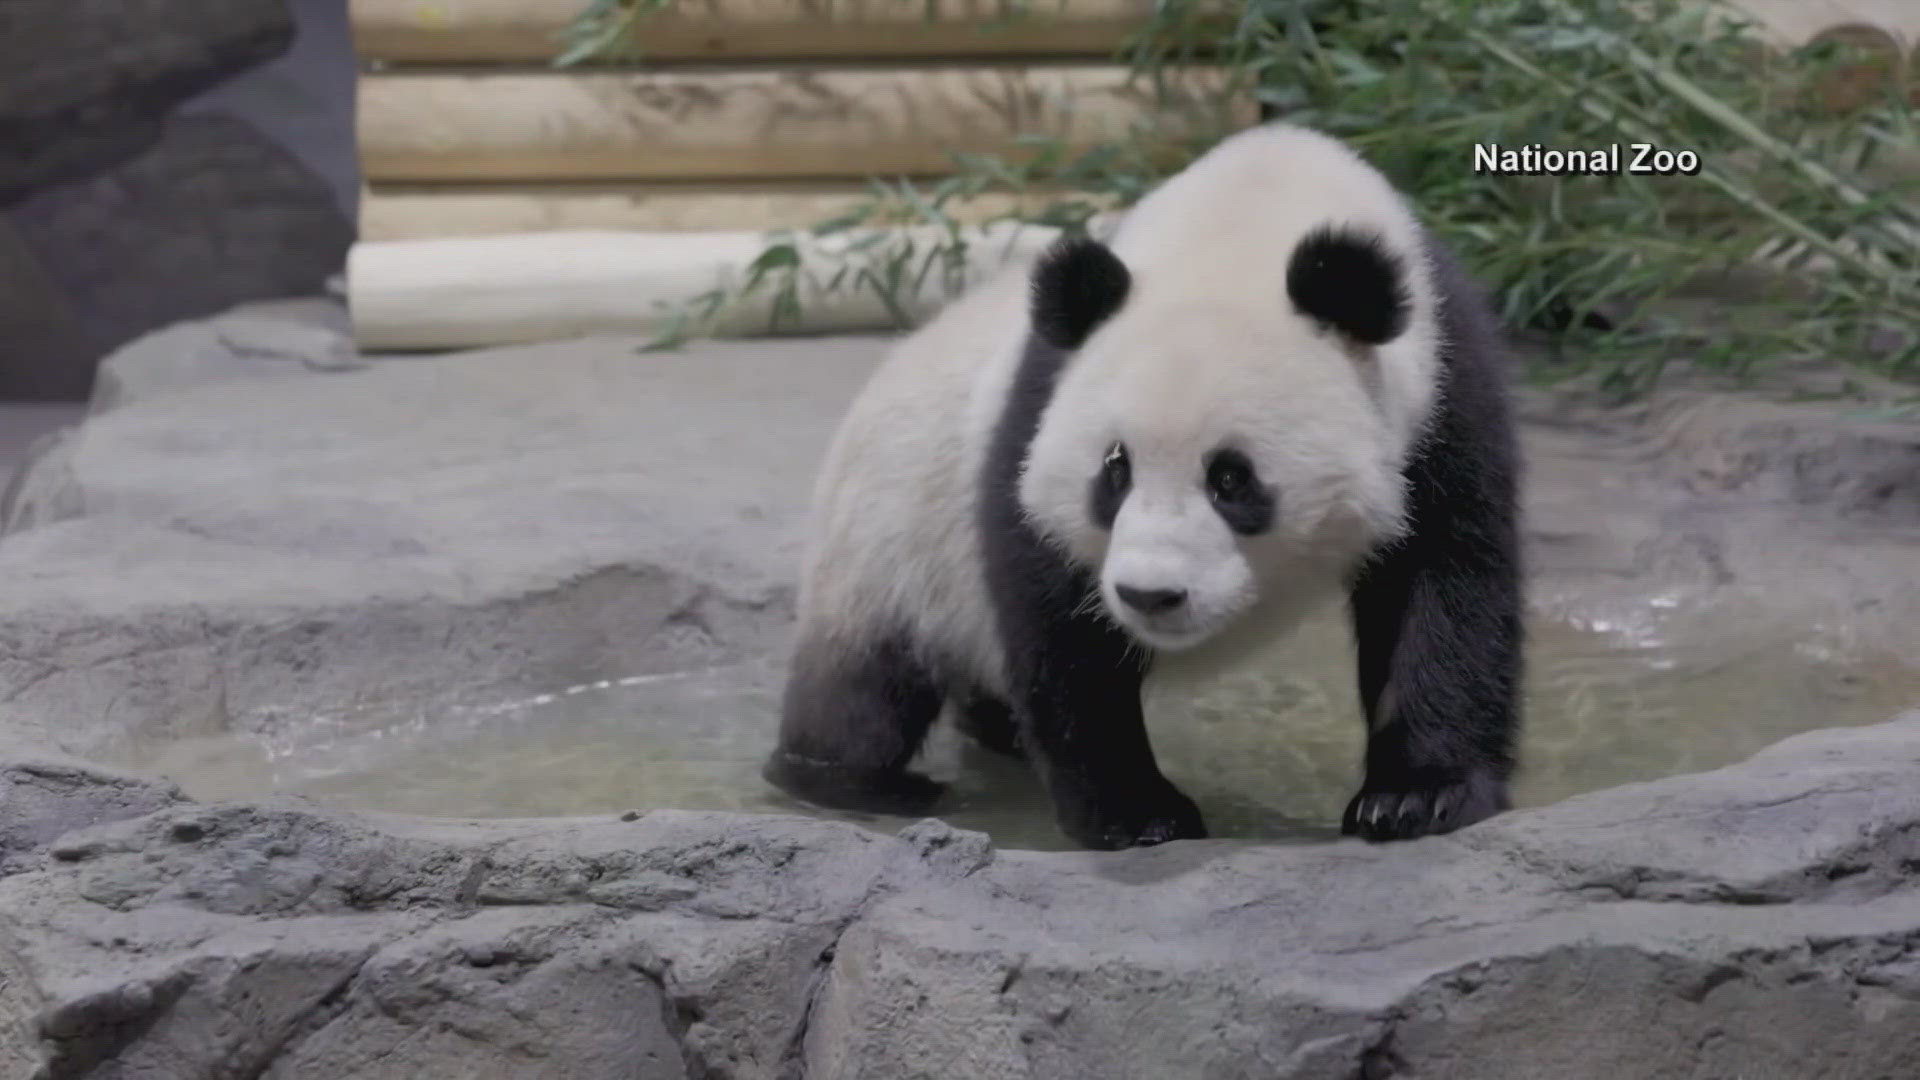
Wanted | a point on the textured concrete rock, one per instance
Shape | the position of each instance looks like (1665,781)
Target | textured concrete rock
(1759,921)
(24,430)
(262,340)
(253,341)
(212,214)
(34,315)
(673,945)
(163,160)
(44,795)
(305,98)
(251,549)
(217,204)
(84,82)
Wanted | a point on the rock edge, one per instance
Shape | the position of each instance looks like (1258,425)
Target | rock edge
(1761,921)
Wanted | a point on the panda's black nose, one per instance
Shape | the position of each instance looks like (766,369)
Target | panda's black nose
(1151,601)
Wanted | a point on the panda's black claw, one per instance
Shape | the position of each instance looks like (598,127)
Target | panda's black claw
(1424,807)
(1160,830)
(837,787)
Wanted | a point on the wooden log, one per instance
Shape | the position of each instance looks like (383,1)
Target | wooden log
(420,212)
(498,290)
(1870,66)
(760,123)
(530,31)
(1794,22)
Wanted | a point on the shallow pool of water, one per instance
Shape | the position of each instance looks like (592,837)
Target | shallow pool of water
(1649,692)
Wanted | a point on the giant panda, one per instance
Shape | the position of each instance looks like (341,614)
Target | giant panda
(1267,389)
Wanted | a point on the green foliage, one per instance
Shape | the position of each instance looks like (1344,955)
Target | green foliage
(1812,216)
(606,30)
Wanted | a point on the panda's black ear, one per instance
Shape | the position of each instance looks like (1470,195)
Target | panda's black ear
(1078,285)
(1349,280)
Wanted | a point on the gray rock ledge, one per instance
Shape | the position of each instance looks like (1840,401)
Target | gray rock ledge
(1761,921)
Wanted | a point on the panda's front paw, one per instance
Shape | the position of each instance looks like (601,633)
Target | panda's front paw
(836,787)
(1413,805)
(1124,816)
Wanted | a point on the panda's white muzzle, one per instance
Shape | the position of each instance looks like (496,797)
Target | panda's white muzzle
(1173,575)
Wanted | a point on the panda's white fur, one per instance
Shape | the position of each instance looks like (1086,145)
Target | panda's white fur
(1205,343)
(893,540)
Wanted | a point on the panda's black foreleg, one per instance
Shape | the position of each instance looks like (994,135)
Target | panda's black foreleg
(1437,619)
(1075,680)
(1082,724)
(1439,671)
(851,721)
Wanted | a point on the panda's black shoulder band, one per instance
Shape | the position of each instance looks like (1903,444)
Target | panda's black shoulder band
(1078,284)
(1348,279)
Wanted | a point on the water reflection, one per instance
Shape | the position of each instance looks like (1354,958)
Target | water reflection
(1648,690)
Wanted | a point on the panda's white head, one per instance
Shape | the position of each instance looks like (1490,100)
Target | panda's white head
(1228,435)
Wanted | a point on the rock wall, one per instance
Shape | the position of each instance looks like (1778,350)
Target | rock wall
(163,160)
(1759,921)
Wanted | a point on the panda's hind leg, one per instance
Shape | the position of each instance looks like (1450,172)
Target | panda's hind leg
(853,717)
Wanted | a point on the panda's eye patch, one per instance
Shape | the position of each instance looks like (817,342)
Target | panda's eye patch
(1110,485)
(1238,496)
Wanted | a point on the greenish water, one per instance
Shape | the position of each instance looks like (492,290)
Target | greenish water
(1272,752)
